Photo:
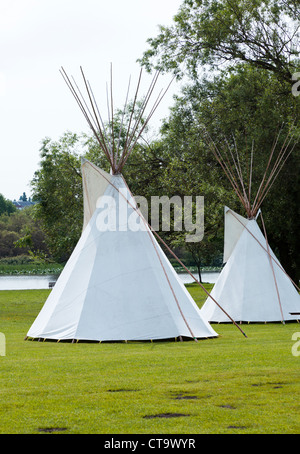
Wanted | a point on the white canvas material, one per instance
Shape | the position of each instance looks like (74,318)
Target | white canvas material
(118,284)
(246,287)
(232,232)
(93,188)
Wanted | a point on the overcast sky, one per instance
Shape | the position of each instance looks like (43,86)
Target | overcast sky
(37,37)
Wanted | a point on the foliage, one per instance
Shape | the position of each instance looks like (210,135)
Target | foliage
(36,268)
(254,106)
(57,188)
(21,259)
(242,108)
(214,33)
(257,43)
(6,206)
(21,234)
(254,45)
(28,265)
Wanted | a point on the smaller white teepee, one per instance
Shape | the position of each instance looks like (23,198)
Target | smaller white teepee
(253,286)
(247,287)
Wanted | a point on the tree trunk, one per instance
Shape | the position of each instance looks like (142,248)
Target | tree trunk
(199,272)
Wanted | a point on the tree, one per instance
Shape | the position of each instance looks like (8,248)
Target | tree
(247,105)
(21,234)
(192,171)
(57,189)
(6,206)
(211,33)
(257,43)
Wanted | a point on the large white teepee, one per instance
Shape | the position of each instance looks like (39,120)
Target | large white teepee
(118,285)
(250,287)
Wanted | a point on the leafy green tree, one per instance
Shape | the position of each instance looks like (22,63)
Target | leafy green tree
(21,234)
(257,43)
(214,33)
(249,105)
(57,189)
(192,171)
(6,206)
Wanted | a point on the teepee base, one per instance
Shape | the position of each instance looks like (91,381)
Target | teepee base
(241,322)
(88,341)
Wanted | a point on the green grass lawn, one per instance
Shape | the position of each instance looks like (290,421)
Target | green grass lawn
(225,385)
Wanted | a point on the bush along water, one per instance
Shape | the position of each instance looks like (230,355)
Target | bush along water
(26,265)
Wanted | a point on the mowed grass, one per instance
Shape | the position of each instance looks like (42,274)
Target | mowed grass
(229,384)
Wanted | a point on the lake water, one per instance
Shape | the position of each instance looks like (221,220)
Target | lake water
(25,282)
(207,276)
(42,282)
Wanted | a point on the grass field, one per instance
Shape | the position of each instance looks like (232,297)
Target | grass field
(216,386)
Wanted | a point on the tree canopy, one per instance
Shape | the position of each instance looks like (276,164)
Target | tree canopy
(240,57)
(21,234)
(212,33)
(6,206)
(248,106)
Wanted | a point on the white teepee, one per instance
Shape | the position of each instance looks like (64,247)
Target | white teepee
(252,287)
(118,285)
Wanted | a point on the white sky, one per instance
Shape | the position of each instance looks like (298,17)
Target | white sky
(37,37)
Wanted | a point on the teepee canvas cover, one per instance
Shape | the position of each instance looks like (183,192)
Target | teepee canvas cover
(118,285)
(247,287)
(252,286)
